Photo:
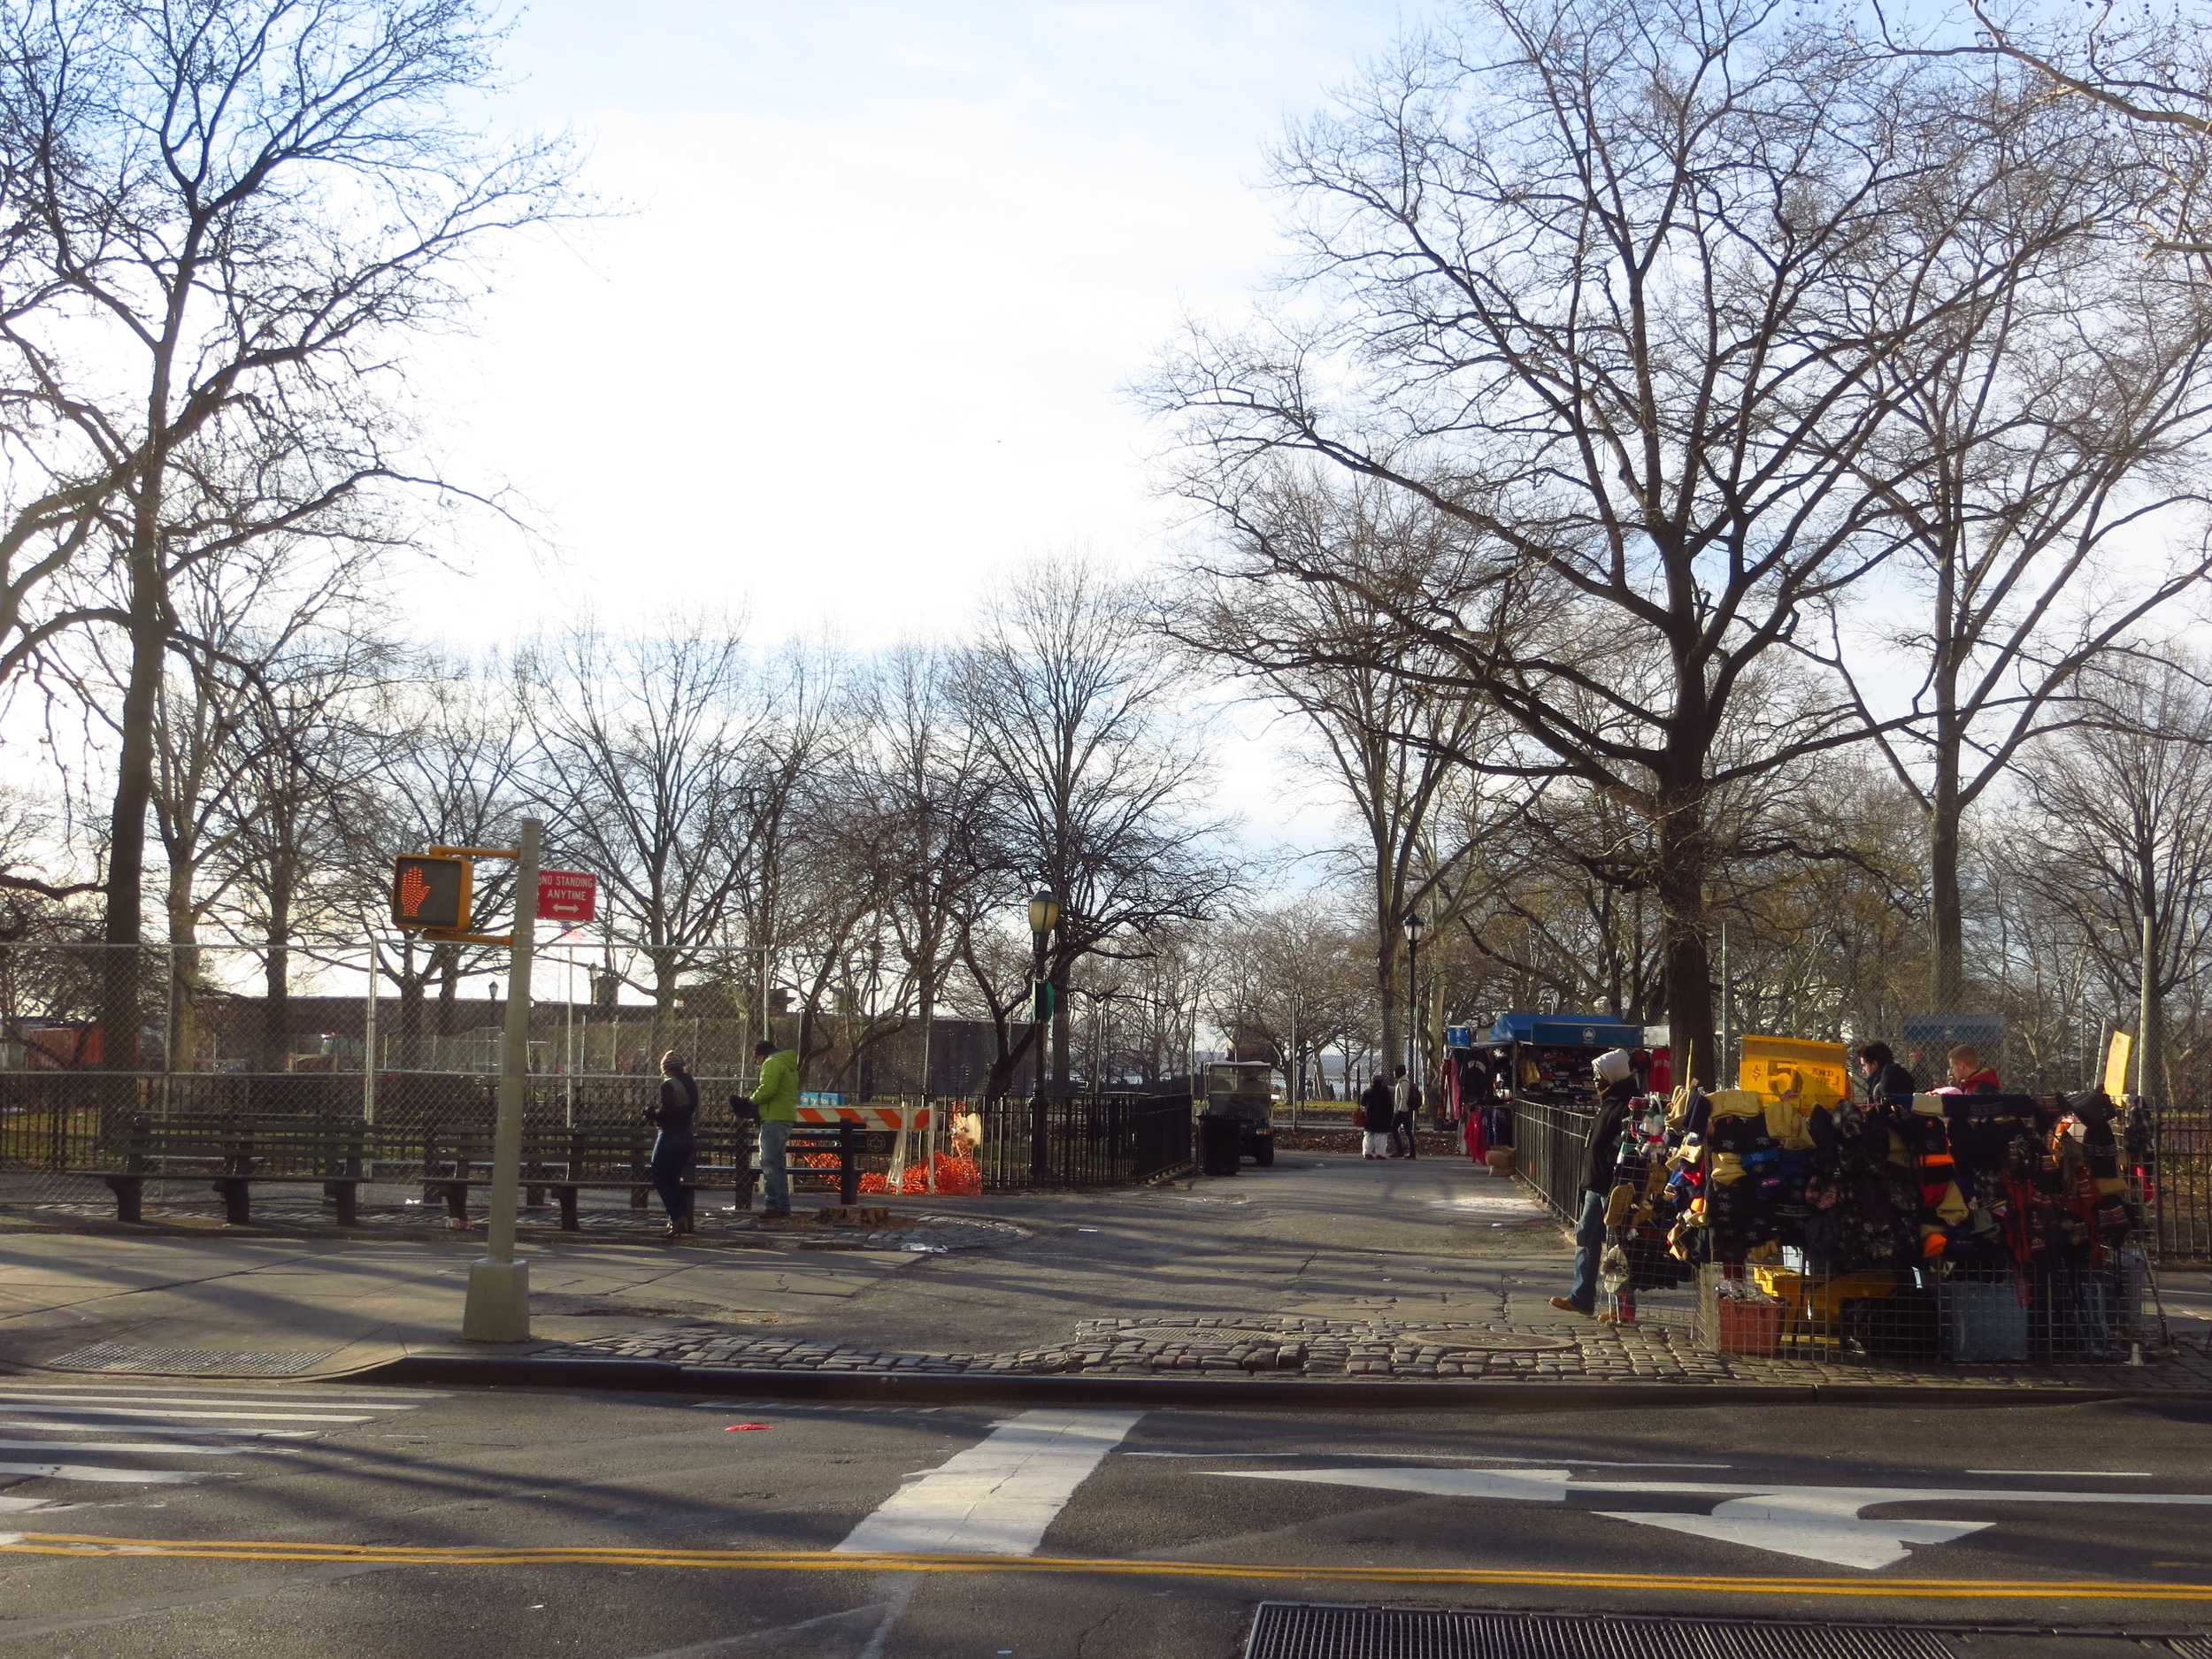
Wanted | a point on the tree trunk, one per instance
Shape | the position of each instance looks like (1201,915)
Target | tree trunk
(184,979)
(1387,986)
(411,1013)
(1946,923)
(1060,1033)
(448,1003)
(1685,855)
(276,1029)
(120,1009)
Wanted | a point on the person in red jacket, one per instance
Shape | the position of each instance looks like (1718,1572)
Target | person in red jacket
(1970,1076)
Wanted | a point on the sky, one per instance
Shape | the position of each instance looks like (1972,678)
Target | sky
(862,335)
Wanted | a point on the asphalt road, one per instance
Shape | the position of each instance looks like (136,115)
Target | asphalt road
(173,1519)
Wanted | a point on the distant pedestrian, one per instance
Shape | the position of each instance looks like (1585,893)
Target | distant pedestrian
(778,1098)
(1405,1100)
(1968,1075)
(673,1145)
(1883,1075)
(1375,1106)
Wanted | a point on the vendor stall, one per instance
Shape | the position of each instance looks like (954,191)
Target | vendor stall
(1953,1226)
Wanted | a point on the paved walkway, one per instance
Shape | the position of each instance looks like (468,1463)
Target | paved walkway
(1324,1268)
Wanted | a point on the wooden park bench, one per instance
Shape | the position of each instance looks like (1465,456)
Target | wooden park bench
(847,1140)
(568,1161)
(235,1154)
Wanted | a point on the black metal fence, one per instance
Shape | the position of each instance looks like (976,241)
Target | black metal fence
(1547,1147)
(2177,1181)
(53,1123)
(1086,1141)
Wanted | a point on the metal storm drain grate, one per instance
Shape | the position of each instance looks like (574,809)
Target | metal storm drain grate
(1290,1630)
(188,1362)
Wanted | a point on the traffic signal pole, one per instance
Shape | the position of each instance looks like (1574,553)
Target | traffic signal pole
(498,1306)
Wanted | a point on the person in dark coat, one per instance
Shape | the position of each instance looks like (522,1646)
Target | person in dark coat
(1375,1106)
(673,1145)
(1617,1086)
(1883,1075)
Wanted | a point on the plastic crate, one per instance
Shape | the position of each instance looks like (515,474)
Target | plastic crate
(1744,1324)
(1981,1322)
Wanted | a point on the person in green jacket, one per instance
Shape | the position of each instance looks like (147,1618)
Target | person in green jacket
(778,1099)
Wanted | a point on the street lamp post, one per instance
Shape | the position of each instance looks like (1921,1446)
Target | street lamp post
(1044,916)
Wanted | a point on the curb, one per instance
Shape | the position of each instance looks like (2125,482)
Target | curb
(920,1389)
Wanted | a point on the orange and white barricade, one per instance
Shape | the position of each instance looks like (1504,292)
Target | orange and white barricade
(904,1120)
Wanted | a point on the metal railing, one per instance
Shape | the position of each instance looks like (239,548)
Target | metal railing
(53,1123)
(1089,1141)
(2175,1159)
(1549,1142)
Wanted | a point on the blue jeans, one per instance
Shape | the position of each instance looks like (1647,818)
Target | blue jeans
(1589,1246)
(774,1167)
(671,1155)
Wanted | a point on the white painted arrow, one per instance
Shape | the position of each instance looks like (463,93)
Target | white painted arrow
(1816,1523)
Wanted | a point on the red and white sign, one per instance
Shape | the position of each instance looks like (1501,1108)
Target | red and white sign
(567,895)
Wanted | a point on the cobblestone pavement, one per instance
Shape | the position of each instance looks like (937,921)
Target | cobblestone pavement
(1379,1351)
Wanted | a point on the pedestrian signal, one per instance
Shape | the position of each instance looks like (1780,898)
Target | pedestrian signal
(432,892)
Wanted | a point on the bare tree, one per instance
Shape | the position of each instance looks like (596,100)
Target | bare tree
(2122,840)
(928,781)
(456,776)
(1589,278)
(646,744)
(313,746)
(2059,424)
(1381,729)
(232,215)
(1092,785)
(247,629)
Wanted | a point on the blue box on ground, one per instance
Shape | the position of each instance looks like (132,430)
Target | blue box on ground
(1983,1324)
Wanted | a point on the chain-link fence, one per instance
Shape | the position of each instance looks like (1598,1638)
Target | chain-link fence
(596,1011)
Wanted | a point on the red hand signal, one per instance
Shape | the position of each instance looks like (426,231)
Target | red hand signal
(412,890)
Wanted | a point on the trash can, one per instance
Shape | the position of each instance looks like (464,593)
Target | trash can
(1219,1140)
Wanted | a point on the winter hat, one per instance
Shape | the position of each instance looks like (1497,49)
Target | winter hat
(1611,1066)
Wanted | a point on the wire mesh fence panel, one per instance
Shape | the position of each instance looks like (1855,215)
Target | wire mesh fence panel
(2067,1314)
(2176,1178)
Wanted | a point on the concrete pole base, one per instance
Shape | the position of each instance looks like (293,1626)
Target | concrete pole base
(499,1302)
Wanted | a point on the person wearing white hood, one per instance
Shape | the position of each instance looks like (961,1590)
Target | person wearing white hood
(1617,1086)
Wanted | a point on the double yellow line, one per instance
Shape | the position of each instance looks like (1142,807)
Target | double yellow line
(94,1546)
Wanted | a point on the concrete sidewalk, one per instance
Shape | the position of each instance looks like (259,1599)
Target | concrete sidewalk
(1327,1268)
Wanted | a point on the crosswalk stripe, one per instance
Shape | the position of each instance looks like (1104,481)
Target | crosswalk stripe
(91,1397)
(106,1472)
(83,1383)
(166,1428)
(139,1445)
(142,1414)
(1001,1495)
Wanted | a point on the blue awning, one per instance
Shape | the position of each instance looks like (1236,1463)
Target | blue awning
(1568,1030)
